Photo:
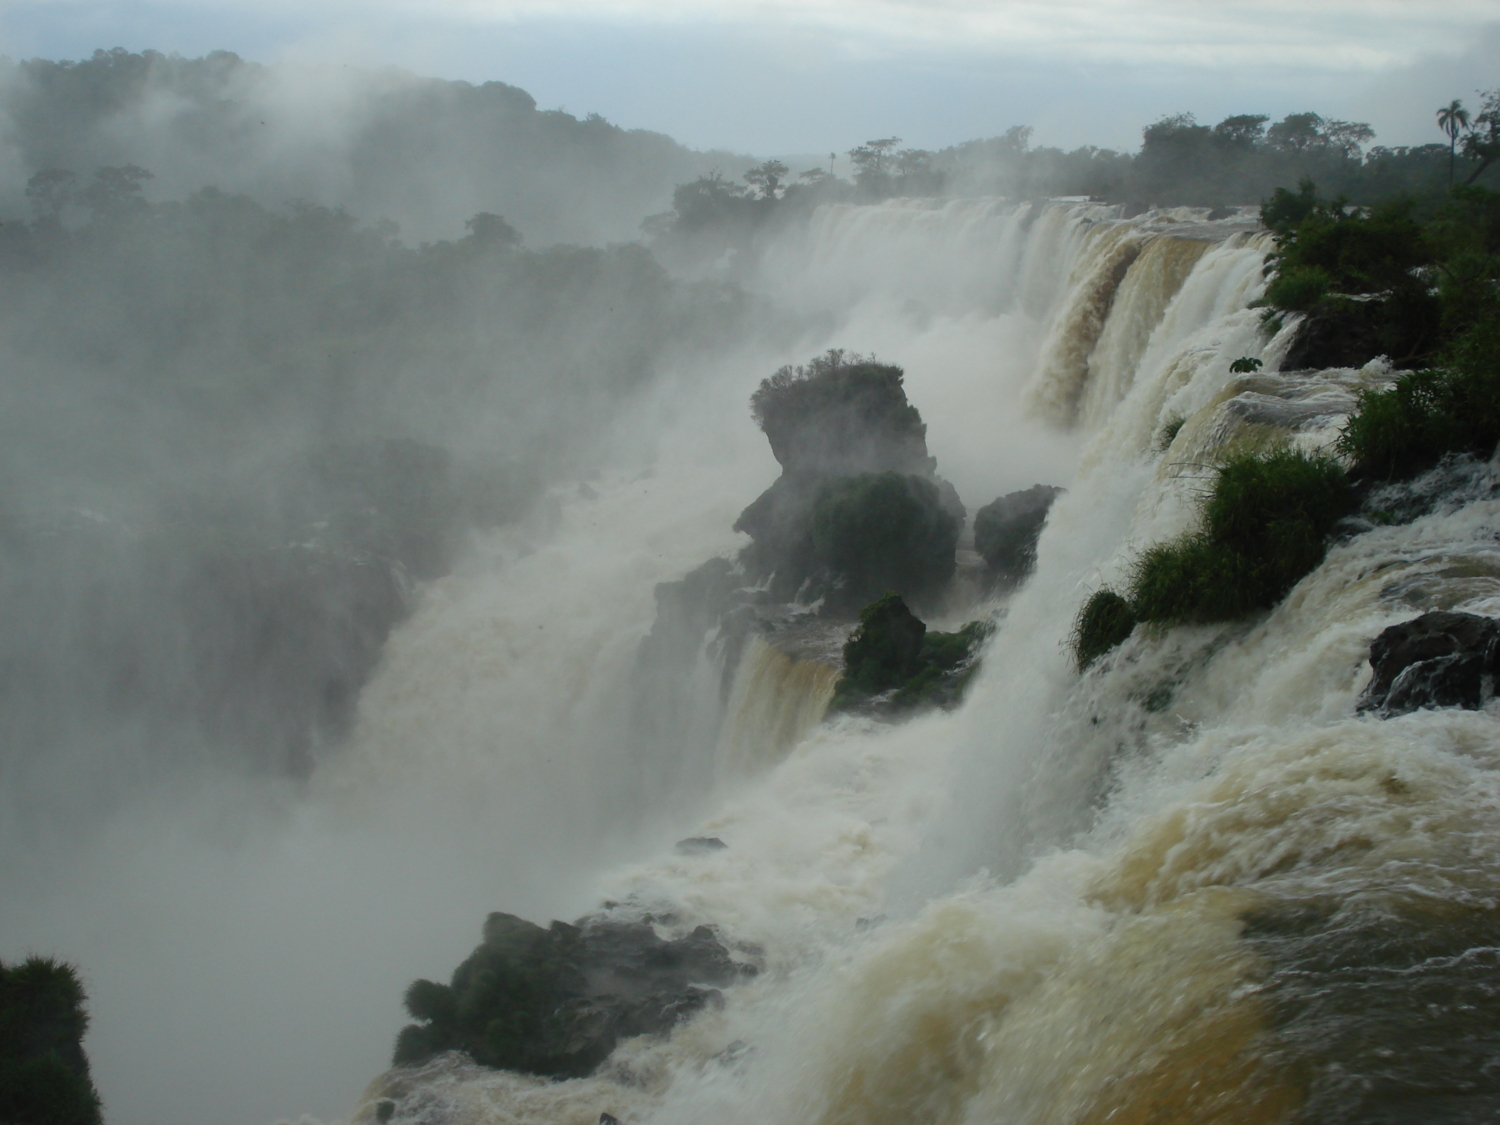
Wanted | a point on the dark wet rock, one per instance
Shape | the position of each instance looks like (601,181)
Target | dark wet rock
(244,625)
(847,540)
(1350,339)
(700,845)
(608,1119)
(1441,659)
(893,665)
(556,1001)
(1006,530)
(281,642)
(685,609)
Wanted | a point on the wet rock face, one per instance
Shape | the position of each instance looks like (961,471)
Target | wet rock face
(842,415)
(556,1001)
(858,509)
(1440,659)
(1006,530)
(1350,339)
(850,539)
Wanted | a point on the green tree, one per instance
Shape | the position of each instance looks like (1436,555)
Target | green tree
(1482,143)
(1296,133)
(872,163)
(1452,119)
(115,192)
(50,190)
(767,179)
(1243,131)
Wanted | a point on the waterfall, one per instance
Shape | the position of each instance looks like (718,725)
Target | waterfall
(1125,896)
(1177,887)
(776,700)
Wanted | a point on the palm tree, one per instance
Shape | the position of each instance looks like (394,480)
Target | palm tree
(1451,118)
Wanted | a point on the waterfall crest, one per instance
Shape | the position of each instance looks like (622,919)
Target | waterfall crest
(775,701)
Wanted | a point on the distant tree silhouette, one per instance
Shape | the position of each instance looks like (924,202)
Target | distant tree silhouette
(1452,119)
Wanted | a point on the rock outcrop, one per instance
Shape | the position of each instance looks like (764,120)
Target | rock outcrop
(858,509)
(1441,659)
(556,1001)
(894,665)
(1006,531)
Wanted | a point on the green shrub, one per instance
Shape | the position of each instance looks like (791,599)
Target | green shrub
(1191,579)
(1401,431)
(1298,288)
(1277,507)
(1169,432)
(1266,524)
(883,652)
(44,1074)
(892,651)
(1105,620)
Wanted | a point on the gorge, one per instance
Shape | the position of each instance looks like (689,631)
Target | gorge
(1199,880)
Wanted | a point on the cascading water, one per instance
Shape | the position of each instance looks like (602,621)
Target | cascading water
(1120,897)
(1188,885)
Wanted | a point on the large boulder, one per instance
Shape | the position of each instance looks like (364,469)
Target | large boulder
(556,1001)
(1441,659)
(858,509)
(841,414)
(1006,531)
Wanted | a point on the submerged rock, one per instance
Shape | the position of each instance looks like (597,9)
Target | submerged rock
(554,1002)
(1006,531)
(700,845)
(1441,659)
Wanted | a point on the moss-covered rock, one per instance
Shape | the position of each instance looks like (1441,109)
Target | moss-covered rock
(858,509)
(556,1001)
(893,665)
(882,531)
(44,1074)
(1006,531)
(841,414)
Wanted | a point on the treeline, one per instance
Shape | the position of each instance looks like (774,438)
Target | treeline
(422,152)
(1417,284)
(235,436)
(1237,162)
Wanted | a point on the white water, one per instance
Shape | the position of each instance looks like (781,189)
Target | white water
(1025,911)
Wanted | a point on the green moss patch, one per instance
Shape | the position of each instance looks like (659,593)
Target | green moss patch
(892,664)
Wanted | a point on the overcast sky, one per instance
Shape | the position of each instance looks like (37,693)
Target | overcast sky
(805,76)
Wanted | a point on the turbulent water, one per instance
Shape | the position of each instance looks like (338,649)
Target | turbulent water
(1189,885)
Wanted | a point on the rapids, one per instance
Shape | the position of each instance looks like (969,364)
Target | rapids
(1189,885)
